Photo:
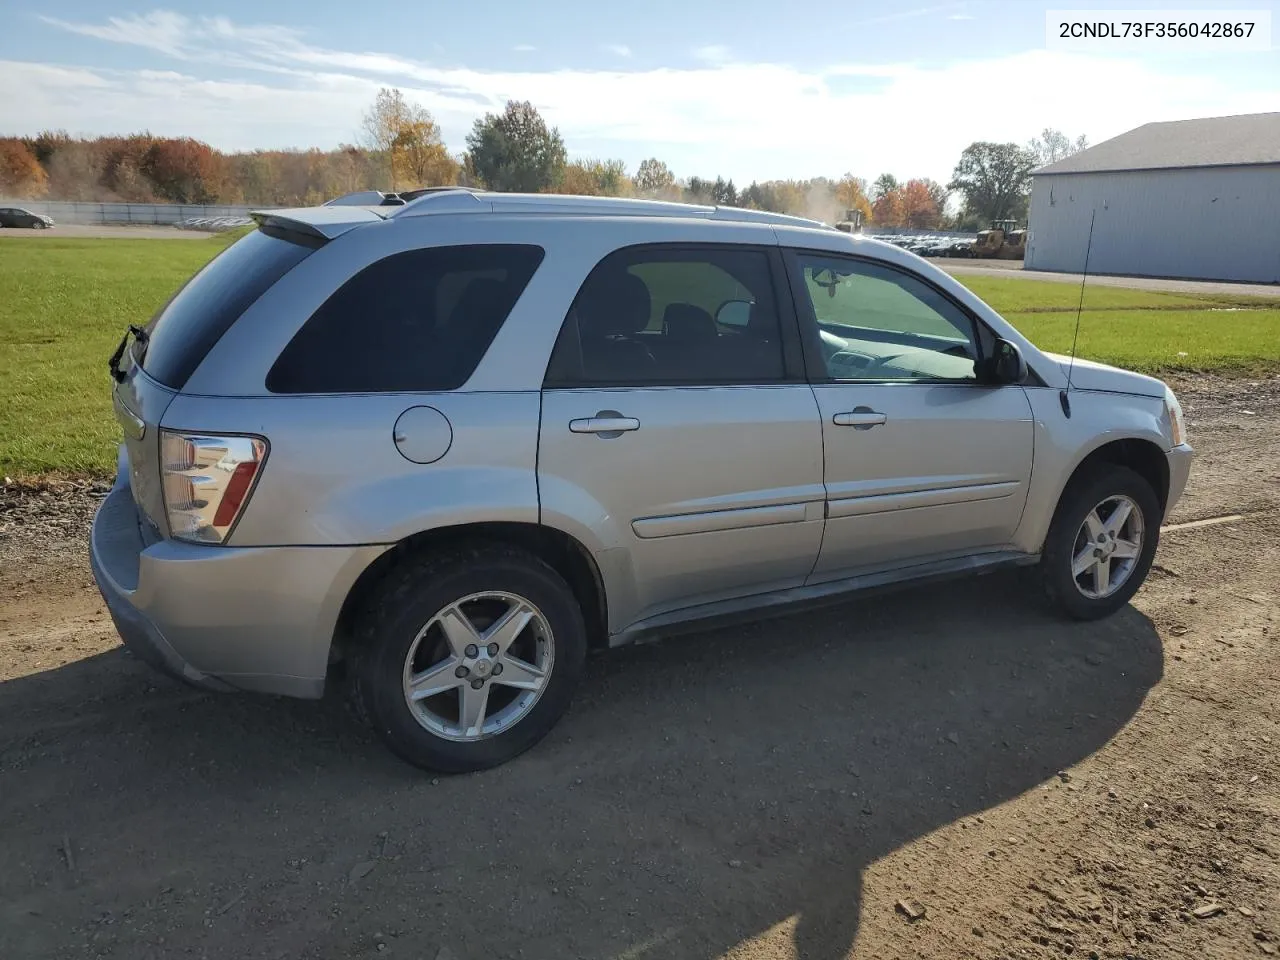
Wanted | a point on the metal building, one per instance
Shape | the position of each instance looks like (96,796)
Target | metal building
(1194,199)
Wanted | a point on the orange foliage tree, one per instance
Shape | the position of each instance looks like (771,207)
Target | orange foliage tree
(21,175)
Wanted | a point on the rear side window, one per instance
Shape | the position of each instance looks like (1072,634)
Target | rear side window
(193,320)
(417,321)
(652,316)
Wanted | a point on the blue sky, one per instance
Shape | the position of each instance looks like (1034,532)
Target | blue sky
(749,90)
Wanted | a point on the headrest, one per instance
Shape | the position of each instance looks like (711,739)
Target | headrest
(684,321)
(614,304)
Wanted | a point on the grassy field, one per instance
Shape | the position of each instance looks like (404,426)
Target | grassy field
(64,304)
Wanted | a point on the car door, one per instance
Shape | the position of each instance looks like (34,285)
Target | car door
(922,460)
(678,437)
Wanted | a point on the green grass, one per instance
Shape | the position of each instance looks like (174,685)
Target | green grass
(64,304)
(1243,342)
(1010,295)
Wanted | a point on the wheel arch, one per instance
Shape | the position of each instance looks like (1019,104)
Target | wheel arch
(1144,457)
(559,550)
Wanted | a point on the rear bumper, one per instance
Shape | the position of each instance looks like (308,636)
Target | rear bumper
(222,618)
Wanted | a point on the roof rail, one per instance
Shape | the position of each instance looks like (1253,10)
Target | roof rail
(408,196)
(466,200)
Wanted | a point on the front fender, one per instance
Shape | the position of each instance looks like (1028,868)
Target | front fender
(1062,443)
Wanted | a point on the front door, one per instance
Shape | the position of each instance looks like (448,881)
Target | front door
(678,437)
(922,460)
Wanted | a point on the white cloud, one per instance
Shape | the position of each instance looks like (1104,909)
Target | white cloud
(618,49)
(524,48)
(161,30)
(744,120)
(960,16)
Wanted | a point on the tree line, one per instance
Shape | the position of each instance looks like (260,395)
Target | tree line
(400,147)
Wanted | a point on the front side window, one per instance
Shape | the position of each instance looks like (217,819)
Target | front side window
(672,316)
(878,323)
(417,321)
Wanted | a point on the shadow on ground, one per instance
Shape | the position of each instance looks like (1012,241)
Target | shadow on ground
(700,792)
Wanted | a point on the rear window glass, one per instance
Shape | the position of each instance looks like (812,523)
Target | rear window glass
(193,320)
(416,321)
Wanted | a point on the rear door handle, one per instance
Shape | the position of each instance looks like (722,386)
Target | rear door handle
(860,418)
(604,425)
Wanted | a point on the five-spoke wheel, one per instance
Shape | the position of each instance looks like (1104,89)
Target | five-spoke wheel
(1101,542)
(465,658)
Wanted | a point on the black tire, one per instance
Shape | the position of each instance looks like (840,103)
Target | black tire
(1082,495)
(39,225)
(414,592)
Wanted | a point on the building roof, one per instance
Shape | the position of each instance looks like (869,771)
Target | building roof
(1246,140)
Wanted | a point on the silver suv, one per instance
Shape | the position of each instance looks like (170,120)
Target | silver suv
(458,443)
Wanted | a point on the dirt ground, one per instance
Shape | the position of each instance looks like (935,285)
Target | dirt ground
(1041,789)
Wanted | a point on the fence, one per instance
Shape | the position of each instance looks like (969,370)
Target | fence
(67,211)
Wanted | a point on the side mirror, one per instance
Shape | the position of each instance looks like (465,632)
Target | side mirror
(735,313)
(1007,364)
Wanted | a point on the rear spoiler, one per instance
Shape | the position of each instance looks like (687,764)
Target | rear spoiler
(314,225)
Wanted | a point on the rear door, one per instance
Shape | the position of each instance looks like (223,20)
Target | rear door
(922,460)
(678,431)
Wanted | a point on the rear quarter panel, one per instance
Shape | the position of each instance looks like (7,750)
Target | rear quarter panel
(334,475)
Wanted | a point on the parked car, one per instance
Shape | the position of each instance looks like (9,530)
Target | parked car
(21,217)
(456,444)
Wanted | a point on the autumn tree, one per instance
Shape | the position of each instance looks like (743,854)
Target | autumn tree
(595,178)
(1054,145)
(654,178)
(407,138)
(919,207)
(75,171)
(185,170)
(939,194)
(21,175)
(890,208)
(123,160)
(851,194)
(516,150)
(993,177)
(46,143)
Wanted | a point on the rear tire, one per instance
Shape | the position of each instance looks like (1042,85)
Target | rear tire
(1101,543)
(415,636)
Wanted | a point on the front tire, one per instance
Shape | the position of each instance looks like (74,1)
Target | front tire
(39,225)
(466,658)
(1101,543)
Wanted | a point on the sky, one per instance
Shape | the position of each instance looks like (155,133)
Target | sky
(747,90)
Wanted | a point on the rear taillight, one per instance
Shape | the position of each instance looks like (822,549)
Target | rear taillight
(207,480)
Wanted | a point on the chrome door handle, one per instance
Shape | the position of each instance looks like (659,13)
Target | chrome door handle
(604,425)
(860,418)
